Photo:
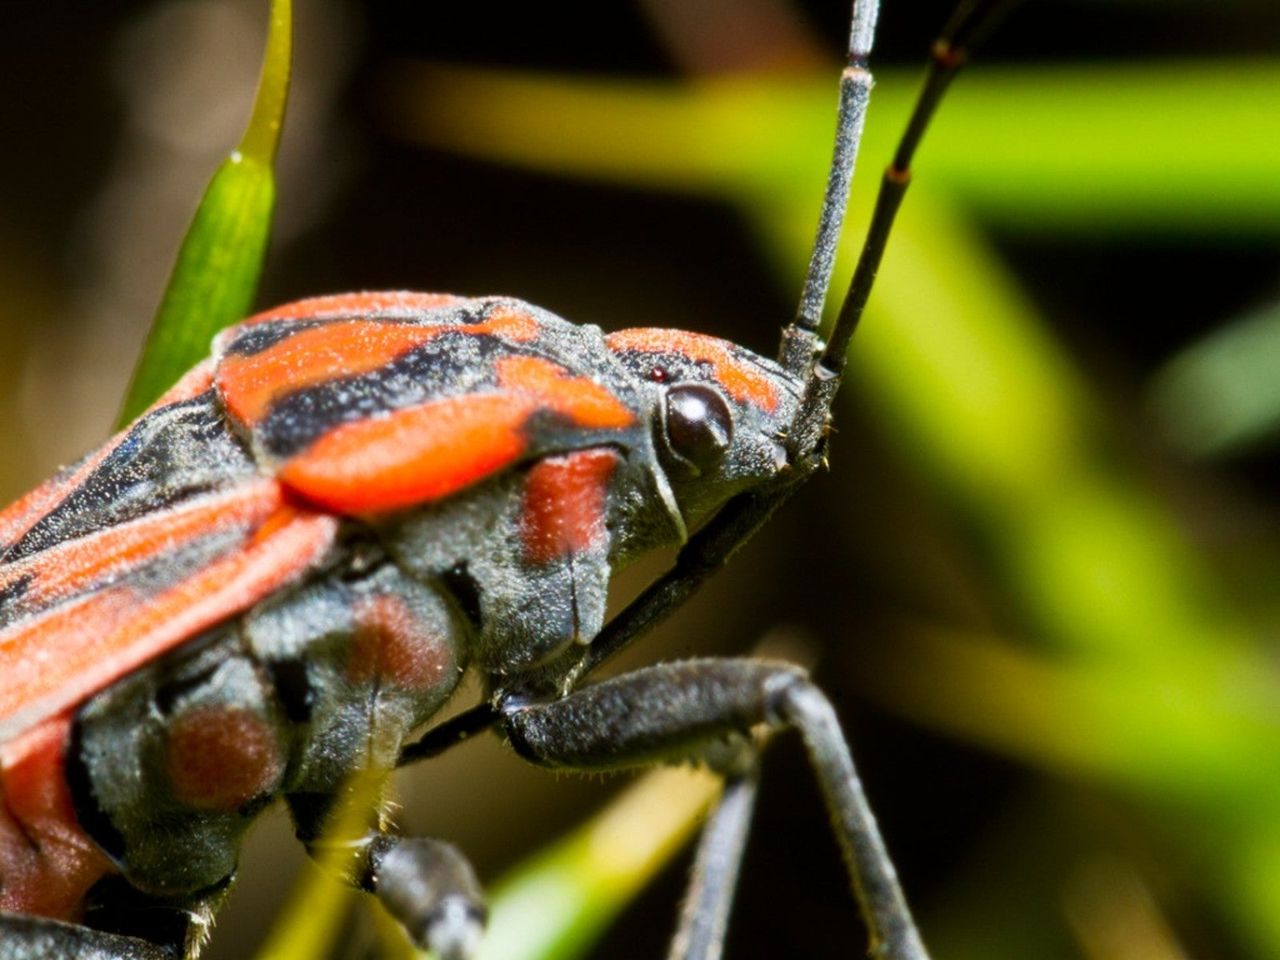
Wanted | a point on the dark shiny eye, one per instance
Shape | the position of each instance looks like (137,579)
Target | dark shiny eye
(697,426)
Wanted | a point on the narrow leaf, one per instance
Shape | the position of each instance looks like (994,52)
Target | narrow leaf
(555,906)
(1095,148)
(1221,394)
(218,266)
(320,903)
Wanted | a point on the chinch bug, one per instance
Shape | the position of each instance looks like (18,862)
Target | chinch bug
(280,571)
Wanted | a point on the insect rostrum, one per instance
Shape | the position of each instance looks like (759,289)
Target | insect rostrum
(281,570)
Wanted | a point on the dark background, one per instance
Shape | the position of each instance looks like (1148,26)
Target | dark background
(360,208)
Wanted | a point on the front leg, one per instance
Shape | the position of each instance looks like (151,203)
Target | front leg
(676,711)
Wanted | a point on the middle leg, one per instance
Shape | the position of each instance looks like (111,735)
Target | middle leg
(680,711)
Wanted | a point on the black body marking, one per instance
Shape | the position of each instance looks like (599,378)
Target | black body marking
(265,335)
(464,590)
(89,812)
(171,455)
(448,365)
(11,593)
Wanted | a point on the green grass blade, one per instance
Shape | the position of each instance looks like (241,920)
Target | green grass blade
(220,260)
(320,903)
(556,905)
(1222,393)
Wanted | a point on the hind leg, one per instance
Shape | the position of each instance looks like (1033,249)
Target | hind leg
(427,885)
(38,938)
(121,923)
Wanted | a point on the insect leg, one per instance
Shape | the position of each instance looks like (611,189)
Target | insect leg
(678,711)
(430,888)
(704,918)
(38,938)
(426,885)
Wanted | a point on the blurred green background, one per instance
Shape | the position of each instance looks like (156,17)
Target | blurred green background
(1039,579)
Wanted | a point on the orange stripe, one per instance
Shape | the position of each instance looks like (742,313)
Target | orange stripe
(51,648)
(744,382)
(587,403)
(411,456)
(55,660)
(250,384)
(78,564)
(432,450)
(361,304)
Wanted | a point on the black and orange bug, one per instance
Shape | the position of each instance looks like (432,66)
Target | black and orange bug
(281,570)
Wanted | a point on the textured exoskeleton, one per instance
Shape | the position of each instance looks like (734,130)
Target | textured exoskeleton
(280,570)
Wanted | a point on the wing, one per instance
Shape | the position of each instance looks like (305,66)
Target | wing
(18,519)
(165,532)
(358,405)
(374,403)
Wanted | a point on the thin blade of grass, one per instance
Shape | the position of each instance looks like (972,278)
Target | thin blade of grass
(556,905)
(320,902)
(218,265)
(1221,394)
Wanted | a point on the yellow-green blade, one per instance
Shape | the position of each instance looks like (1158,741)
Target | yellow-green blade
(555,906)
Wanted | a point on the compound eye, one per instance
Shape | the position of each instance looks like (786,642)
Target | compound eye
(697,426)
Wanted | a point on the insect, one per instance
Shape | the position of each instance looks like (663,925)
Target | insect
(280,571)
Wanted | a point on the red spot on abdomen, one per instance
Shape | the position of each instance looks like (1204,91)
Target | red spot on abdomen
(391,642)
(47,862)
(220,758)
(564,504)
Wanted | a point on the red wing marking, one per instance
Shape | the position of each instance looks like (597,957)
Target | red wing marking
(249,384)
(19,517)
(427,452)
(77,565)
(361,304)
(410,456)
(53,660)
(564,504)
(47,862)
(742,381)
(580,399)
